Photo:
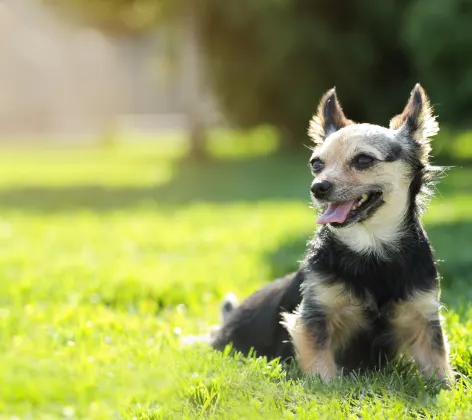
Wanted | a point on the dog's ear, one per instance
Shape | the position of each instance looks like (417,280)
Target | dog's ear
(417,120)
(328,119)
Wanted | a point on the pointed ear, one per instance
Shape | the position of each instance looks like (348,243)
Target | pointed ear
(328,119)
(417,120)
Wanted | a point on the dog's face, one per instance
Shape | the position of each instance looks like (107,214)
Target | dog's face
(363,171)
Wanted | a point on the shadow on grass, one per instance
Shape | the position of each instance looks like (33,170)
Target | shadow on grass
(274,177)
(286,258)
(279,176)
(399,380)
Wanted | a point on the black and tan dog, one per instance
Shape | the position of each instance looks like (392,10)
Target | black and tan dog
(368,288)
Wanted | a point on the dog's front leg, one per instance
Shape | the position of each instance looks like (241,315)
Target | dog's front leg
(419,334)
(325,320)
(313,344)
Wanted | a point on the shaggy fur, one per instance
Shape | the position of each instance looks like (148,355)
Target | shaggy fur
(368,288)
(256,323)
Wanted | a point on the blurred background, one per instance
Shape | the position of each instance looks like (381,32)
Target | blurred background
(153,158)
(86,69)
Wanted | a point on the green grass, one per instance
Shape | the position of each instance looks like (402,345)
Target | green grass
(110,256)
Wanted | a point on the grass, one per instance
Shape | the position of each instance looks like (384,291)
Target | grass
(110,255)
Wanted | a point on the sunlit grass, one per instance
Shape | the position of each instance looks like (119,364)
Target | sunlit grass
(109,255)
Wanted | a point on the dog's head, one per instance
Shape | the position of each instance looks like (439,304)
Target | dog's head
(363,172)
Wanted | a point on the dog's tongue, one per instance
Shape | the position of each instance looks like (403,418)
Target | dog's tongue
(335,213)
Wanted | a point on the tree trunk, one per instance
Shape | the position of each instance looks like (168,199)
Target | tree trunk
(194,89)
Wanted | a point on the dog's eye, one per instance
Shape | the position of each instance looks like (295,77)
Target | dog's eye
(316,165)
(363,161)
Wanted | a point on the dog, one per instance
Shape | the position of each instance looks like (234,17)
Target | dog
(368,288)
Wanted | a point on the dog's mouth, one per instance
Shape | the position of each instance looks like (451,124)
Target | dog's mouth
(349,212)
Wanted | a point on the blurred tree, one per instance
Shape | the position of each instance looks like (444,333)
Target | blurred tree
(195,87)
(270,60)
(438,34)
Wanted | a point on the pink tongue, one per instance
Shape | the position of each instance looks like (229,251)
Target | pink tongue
(335,213)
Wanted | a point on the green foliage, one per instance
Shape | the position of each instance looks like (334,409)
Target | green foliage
(269,61)
(439,39)
(109,255)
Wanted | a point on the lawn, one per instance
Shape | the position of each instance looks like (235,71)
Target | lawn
(110,255)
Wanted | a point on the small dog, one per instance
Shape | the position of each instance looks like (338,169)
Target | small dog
(368,288)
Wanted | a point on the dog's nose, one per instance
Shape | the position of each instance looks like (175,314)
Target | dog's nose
(320,189)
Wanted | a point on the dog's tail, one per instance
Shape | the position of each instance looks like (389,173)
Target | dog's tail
(228,305)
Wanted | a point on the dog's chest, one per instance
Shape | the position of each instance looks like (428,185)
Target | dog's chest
(379,290)
(372,279)
(385,282)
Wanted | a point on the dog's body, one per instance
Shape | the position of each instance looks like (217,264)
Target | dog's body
(256,322)
(368,288)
